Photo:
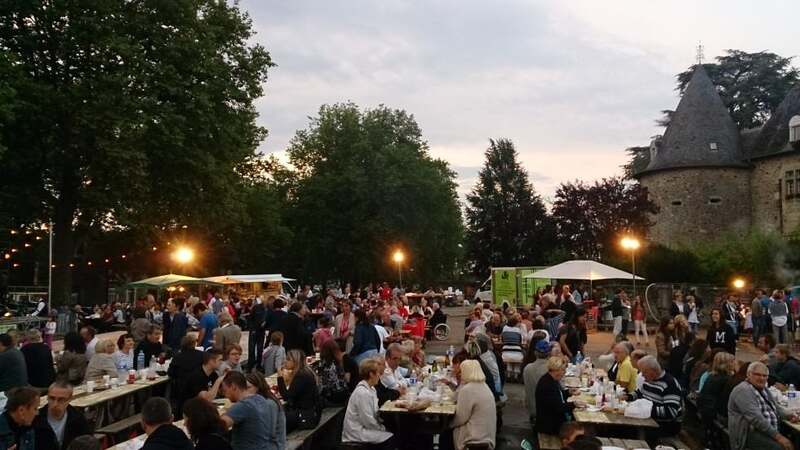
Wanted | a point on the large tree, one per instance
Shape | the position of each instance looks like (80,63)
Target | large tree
(507,223)
(751,85)
(126,115)
(364,184)
(592,218)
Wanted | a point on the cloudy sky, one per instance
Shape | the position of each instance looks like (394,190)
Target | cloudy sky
(572,83)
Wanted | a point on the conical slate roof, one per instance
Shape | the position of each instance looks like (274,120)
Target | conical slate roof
(701,132)
(774,136)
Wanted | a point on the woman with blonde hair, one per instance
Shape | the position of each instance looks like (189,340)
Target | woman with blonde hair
(297,385)
(552,409)
(712,401)
(102,362)
(362,422)
(475,421)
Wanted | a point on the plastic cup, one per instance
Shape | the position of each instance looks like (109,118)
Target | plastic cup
(106,379)
(90,386)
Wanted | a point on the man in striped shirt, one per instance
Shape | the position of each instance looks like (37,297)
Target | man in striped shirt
(664,391)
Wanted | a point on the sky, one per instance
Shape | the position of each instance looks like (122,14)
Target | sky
(571,83)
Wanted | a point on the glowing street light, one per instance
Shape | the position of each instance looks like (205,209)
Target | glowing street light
(399,257)
(738,283)
(632,244)
(183,255)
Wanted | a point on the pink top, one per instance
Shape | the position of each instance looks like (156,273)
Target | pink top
(321,336)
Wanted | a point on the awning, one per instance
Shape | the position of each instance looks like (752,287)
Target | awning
(582,270)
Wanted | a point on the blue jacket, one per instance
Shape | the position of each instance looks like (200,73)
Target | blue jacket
(365,338)
(10,434)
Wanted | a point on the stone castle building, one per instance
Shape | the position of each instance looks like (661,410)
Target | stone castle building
(709,179)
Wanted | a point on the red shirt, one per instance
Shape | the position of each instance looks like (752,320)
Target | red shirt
(386,293)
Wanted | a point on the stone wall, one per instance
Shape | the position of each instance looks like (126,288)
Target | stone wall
(698,204)
(772,210)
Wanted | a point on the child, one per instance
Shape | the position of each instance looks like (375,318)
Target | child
(50,330)
(323,333)
(274,354)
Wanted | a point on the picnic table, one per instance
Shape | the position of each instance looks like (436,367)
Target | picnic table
(604,418)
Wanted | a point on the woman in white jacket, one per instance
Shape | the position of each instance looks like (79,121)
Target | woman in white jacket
(362,425)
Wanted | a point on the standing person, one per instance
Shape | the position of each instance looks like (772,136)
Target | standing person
(257,333)
(295,334)
(779,313)
(344,325)
(66,421)
(297,385)
(757,313)
(573,336)
(227,334)
(639,320)
(161,433)
(475,420)
(256,423)
(16,431)
(207,324)
(720,334)
(366,342)
(38,360)
(730,313)
(566,304)
(14,371)
(276,316)
(204,425)
(666,340)
(694,314)
(175,323)
(274,355)
(203,381)
(362,423)
(753,416)
(678,305)
(50,329)
(616,312)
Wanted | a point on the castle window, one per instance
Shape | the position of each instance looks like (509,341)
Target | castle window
(714,200)
(794,129)
(677,203)
(789,178)
(713,146)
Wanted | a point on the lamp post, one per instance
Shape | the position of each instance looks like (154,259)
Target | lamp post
(632,244)
(398,257)
(738,283)
(183,255)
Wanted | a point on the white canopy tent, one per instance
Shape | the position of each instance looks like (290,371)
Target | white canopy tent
(582,270)
(240,279)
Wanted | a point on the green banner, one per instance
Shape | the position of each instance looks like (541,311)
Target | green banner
(504,285)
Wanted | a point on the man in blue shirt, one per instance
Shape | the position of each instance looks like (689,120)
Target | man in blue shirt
(208,323)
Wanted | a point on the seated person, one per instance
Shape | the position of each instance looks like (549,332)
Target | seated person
(392,382)
(102,362)
(151,346)
(297,385)
(67,422)
(475,420)
(552,408)
(161,433)
(362,423)
(625,372)
(665,392)
(16,430)
(787,368)
(231,360)
(753,416)
(203,381)
(274,354)
(255,419)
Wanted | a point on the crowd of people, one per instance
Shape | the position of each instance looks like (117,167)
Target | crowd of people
(364,361)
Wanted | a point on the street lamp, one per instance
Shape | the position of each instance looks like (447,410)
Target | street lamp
(183,255)
(632,244)
(398,257)
(738,283)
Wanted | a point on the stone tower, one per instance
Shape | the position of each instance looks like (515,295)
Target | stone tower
(696,175)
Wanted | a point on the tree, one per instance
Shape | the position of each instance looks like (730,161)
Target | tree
(640,158)
(507,223)
(751,85)
(591,218)
(127,115)
(363,185)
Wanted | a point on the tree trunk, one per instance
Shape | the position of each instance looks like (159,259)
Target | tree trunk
(63,246)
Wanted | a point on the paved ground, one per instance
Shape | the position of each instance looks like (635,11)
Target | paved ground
(515,416)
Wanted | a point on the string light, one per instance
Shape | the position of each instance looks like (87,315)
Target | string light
(107,261)
(89,263)
(13,231)
(27,231)
(71,265)
(13,250)
(15,265)
(27,245)
(124,256)
(53,266)
(7,256)
(38,238)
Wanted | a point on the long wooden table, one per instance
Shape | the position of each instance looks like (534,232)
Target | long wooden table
(614,419)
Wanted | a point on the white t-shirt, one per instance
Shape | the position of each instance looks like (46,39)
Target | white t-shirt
(90,347)
(383,334)
(58,427)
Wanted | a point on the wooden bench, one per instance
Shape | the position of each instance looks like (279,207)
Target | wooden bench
(627,444)
(302,439)
(549,442)
(111,431)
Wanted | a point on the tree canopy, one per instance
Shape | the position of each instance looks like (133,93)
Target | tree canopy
(507,223)
(364,185)
(126,115)
(592,218)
